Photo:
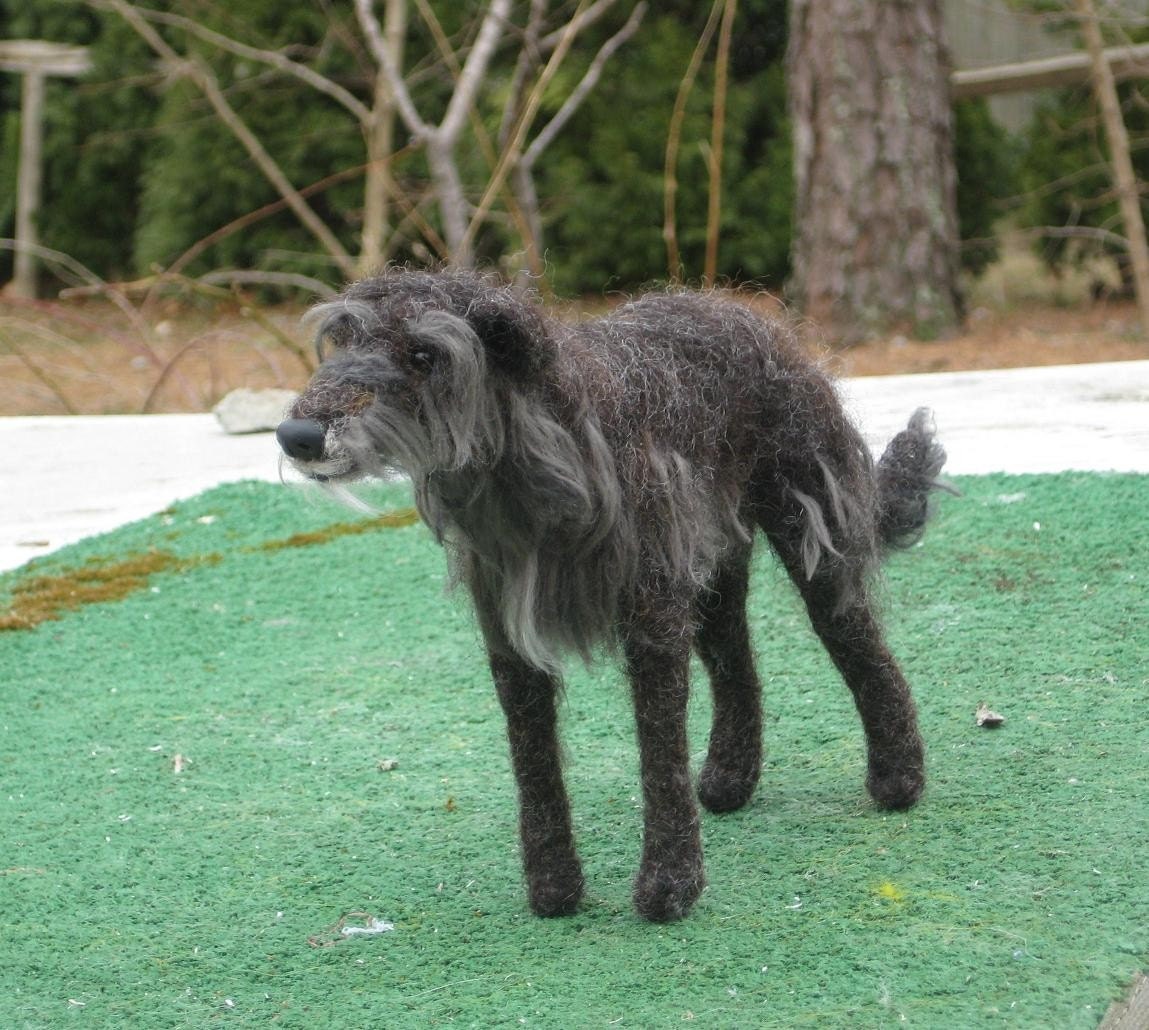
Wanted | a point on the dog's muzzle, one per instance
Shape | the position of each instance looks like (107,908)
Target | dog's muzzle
(301,439)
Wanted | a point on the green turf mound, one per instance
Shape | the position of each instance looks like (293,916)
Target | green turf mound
(236,733)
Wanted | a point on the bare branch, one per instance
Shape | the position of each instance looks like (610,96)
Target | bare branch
(1055,232)
(524,221)
(373,32)
(45,378)
(474,68)
(582,20)
(273,58)
(441,140)
(717,144)
(413,216)
(589,80)
(380,186)
(530,56)
(267,164)
(470,78)
(209,86)
(250,277)
(1124,175)
(251,217)
(514,147)
(673,138)
(66,264)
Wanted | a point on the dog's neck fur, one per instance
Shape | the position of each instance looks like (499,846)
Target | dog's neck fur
(533,527)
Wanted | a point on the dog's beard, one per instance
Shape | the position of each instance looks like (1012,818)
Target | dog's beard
(381,443)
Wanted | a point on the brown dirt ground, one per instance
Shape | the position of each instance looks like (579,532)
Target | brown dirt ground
(90,358)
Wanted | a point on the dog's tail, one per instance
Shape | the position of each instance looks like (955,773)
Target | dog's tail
(907,472)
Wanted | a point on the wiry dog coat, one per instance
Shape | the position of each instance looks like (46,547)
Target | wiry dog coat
(599,484)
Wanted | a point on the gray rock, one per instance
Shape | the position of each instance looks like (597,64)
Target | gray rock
(253,411)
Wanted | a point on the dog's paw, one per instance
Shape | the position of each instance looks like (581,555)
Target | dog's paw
(665,893)
(898,784)
(556,892)
(724,789)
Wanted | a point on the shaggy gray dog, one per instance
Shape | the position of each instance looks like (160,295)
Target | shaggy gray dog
(598,484)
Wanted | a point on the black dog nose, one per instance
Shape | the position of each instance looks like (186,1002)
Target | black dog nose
(301,438)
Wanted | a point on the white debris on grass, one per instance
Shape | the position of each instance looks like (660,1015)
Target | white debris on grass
(373,926)
(986,716)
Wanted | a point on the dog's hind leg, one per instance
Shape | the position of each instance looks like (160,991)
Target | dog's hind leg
(550,862)
(844,619)
(670,876)
(734,759)
(895,753)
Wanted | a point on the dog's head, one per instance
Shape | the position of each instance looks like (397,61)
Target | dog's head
(411,368)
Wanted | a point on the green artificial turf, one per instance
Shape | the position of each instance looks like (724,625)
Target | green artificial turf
(254,726)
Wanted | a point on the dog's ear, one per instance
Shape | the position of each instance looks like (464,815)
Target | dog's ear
(509,324)
(516,341)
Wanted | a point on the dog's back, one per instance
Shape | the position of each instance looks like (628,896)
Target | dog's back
(693,365)
(700,395)
(715,410)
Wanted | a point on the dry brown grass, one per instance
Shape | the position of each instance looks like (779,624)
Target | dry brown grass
(88,357)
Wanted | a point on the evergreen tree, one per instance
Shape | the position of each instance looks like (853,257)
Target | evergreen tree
(603,180)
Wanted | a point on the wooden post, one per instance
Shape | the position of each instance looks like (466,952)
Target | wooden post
(28,184)
(1128,195)
(35,61)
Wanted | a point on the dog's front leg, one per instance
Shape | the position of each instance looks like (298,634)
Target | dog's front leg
(554,875)
(671,875)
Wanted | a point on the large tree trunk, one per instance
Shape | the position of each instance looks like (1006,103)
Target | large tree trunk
(875,233)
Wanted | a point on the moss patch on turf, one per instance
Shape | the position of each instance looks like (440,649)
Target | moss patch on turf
(43,597)
(388,520)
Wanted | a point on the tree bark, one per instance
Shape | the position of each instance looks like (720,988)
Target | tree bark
(875,235)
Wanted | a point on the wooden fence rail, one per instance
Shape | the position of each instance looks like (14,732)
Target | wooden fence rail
(1126,62)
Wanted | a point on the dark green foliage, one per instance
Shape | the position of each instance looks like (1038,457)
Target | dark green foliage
(987,159)
(603,179)
(97,141)
(200,178)
(1065,172)
(97,134)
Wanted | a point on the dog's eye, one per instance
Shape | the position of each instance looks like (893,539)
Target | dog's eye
(327,345)
(422,360)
